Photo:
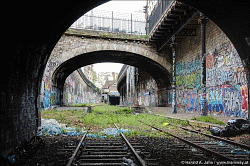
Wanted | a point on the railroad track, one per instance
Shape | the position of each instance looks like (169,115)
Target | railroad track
(224,149)
(110,152)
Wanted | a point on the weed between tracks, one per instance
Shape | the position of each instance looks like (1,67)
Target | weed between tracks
(208,119)
(102,117)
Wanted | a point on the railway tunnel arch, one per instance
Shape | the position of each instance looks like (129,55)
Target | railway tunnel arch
(29,53)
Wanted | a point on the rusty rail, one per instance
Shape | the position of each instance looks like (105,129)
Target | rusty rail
(77,149)
(141,161)
(219,138)
(191,143)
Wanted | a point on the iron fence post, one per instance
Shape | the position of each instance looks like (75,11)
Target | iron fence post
(131,23)
(174,107)
(112,21)
(203,21)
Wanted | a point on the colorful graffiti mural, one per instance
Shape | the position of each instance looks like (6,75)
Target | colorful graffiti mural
(188,75)
(73,92)
(226,84)
(226,81)
(48,97)
(140,90)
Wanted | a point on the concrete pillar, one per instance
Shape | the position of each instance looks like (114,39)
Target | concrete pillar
(174,107)
(203,21)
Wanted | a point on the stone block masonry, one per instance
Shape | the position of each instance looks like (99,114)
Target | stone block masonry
(71,45)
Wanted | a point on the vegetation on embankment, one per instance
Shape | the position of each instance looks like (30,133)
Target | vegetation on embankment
(102,117)
(109,35)
(208,119)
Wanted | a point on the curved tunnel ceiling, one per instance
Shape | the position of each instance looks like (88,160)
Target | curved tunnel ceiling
(159,73)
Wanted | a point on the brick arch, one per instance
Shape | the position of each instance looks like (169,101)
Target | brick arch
(80,46)
(91,56)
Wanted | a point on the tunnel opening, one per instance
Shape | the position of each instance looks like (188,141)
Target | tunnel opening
(30,54)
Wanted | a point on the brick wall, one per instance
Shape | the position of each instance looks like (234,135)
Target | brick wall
(226,80)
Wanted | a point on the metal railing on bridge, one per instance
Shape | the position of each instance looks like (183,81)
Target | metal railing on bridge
(109,21)
(157,12)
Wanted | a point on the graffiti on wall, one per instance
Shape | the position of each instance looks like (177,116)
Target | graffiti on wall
(227,91)
(226,81)
(140,90)
(188,75)
(73,92)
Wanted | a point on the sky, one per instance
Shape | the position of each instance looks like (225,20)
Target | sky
(128,6)
(107,67)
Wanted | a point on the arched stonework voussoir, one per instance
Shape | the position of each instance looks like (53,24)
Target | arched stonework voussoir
(117,47)
(72,46)
(156,70)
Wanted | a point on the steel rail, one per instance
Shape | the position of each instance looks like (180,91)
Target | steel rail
(141,161)
(219,138)
(191,143)
(77,149)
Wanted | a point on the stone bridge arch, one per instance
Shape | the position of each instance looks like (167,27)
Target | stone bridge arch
(158,72)
(70,46)
(73,52)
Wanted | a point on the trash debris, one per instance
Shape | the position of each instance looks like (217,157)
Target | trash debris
(194,150)
(83,144)
(12,159)
(92,135)
(52,127)
(165,124)
(127,162)
(221,143)
(216,131)
(240,151)
(125,148)
(232,128)
(114,131)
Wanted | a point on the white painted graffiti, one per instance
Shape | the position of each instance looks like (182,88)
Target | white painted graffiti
(219,76)
(232,100)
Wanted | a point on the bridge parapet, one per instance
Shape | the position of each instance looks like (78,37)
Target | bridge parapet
(73,45)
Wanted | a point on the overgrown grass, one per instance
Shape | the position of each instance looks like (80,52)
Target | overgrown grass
(208,119)
(79,105)
(102,117)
